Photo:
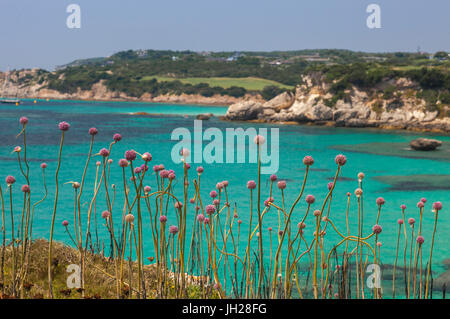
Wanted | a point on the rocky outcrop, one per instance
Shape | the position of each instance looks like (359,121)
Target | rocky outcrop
(312,103)
(425,144)
(204,116)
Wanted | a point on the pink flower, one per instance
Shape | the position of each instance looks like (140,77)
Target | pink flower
(192,201)
(187,165)
(123,163)
(23,120)
(273,178)
(156,168)
(259,140)
(93,131)
(225,183)
(400,221)
(178,205)
(251,185)
(171,176)
(281,184)
(44,165)
(423,200)
(239,222)
(377,229)
(219,186)
(269,229)
(301,225)
(411,221)
(420,240)
(280,233)
(199,170)
(161,167)
(76,185)
(437,206)
(267,201)
(65,223)
(129,218)
(64,126)
(147,157)
(10,180)
(310,199)
(98,163)
(147,189)
(340,160)
(210,209)
(200,218)
(104,152)
(17,149)
(105,214)
(162,219)
(213,194)
(137,170)
(144,168)
(216,202)
(117,137)
(403,207)
(206,221)
(130,155)
(308,160)
(420,204)
(330,186)
(164,173)
(26,188)
(379,244)
(361,176)
(173,230)
(380,201)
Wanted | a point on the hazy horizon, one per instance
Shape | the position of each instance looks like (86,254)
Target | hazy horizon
(35,34)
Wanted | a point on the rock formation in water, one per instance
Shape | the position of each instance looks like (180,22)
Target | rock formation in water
(425,144)
(311,104)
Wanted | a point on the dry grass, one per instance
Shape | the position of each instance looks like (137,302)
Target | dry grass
(100,282)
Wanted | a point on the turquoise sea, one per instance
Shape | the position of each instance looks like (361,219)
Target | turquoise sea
(392,171)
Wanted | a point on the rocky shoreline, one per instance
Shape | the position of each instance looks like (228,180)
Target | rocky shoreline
(307,106)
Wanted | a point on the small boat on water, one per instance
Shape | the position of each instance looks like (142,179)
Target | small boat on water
(5,99)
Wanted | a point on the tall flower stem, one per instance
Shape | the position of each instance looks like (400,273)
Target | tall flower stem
(50,245)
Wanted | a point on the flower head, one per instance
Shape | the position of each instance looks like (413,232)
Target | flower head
(26,188)
(259,140)
(420,204)
(10,180)
(178,205)
(219,186)
(130,155)
(210,209)
(308,160)
(340,160)
(310,199)
(105,214)
(400,221)
(64,126)
(93,131)
(199,170)
(213,194)
(147,157)
(76,185)
(17,149)
(377,229)
(281,184)
(330,185)
(65,223)
(200,218)
(411,221)
(164,173)
(267,201)
(104,152)
(437,206)
(420,240)
(117,137)
(361,176)
(251,184)
(423,200)
(137,170)
(123,162)
(23,120)
(163,219)
(380,201)
(129,218)
(173,230)
(273,178)
(147,189)
(43,165)
(403,206)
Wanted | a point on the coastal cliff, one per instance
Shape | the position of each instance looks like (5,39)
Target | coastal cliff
(313,102)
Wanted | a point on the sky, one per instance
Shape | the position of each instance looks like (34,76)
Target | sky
(34,33)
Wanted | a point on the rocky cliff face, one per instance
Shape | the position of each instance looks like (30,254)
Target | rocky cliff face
(99,92)
(358,109)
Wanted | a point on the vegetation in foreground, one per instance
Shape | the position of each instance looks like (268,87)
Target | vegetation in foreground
(215,258)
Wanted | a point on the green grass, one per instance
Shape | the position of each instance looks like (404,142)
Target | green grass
(249,83)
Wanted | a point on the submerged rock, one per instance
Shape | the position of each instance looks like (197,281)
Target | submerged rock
(204,116)
(425,144)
